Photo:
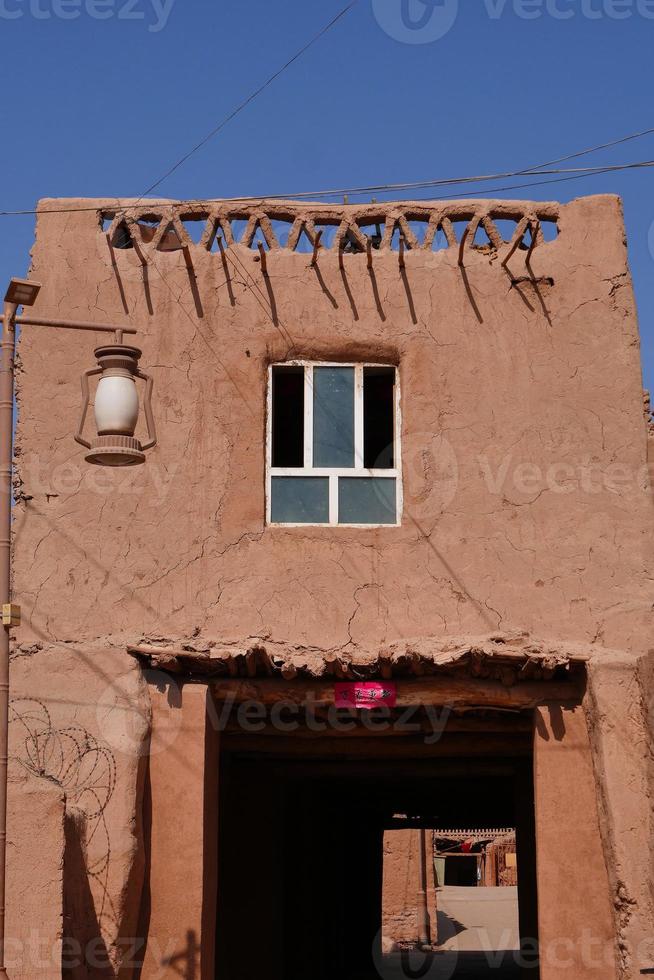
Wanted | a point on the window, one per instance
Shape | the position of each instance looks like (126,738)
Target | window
(333,445)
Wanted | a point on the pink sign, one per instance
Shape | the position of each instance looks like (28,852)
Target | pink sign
(365,694)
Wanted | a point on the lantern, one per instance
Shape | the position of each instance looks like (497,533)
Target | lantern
(117,408)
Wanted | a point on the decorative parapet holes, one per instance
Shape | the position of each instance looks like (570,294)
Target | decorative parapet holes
(272,226)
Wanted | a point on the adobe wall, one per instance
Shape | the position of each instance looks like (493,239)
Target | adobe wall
(524,453)
(400,913)
(523,443)
(35,854)
(79,718)
(572,875)
(178,909)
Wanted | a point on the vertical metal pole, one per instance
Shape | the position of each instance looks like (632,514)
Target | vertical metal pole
(423,910)
(7,355)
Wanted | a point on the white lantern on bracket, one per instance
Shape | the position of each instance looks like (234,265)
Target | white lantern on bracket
(116,408)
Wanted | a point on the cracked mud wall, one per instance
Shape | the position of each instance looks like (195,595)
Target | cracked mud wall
(179,547)
(523,454)
(400,903)
(79,719)
(619,707)
(35,850)
(618,717)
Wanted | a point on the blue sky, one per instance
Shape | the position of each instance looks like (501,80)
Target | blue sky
(112,92)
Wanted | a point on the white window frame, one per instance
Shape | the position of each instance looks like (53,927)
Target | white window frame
(358,470)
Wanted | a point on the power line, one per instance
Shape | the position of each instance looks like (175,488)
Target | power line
(380,188)
(444,182)
(569,174)
(513,187)
(251,97)
(594,149)
(539,167)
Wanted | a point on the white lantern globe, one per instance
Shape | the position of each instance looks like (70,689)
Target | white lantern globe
(116,406)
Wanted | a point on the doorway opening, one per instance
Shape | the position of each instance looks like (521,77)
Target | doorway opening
(312,885)
(454,891)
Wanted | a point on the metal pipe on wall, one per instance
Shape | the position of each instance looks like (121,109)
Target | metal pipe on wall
(7,358)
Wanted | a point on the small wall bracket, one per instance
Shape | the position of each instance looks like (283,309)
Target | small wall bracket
(10,614)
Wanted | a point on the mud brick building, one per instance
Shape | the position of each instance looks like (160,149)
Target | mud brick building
(400,442)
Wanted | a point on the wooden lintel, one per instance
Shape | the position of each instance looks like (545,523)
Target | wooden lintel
(452,691)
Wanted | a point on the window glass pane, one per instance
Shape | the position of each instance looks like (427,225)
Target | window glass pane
(299,500)
(378,418)
(333,416)
(288,416)
(366,500)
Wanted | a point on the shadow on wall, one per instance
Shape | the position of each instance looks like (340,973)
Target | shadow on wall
(80,920)
(85,769)
(186,962)
(557,724)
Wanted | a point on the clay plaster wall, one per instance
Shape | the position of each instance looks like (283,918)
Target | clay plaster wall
(619,709)
(35,853)
(572,874)
(400,889)
(178,910)
(523,452)
(500,384)
(79,724)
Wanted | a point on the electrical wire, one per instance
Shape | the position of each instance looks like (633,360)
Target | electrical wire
(512,187)
(444,182)
(594,149)
(538,170)
(570,174)
(246,102)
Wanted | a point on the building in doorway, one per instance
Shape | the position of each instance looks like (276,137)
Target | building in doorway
(461,858)
(402,447)
(478,857)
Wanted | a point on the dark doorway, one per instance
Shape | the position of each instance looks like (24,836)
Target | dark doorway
(301,831)
(462,872)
